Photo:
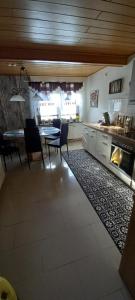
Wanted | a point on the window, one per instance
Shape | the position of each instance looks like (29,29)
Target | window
(59,104)
(49,107)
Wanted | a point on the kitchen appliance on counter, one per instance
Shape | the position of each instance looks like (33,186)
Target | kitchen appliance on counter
(120,121)
(122,156)
(128,123)
(106,118)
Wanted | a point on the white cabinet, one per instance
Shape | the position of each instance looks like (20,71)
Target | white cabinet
(75,131)
(85,138)
(103,147)
(89,139)
(2,172)
(92,141)
(98,144)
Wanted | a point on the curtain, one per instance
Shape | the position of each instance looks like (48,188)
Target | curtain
(52,86)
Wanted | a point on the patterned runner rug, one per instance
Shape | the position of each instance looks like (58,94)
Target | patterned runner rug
(109,196)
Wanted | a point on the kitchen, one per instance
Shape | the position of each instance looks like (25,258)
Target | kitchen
(98,135)
(98,138)
(54,216)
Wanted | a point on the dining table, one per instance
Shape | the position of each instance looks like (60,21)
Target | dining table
(17,136)
(19,133)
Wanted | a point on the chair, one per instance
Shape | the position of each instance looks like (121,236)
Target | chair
(32,142)
(56,124)
(8,148)
(30,123)
(61,141)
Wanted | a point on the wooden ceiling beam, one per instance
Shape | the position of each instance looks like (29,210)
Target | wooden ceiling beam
(61,53)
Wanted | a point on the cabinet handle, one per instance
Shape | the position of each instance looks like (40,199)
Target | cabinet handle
(93,131)
(105,136)
(105,144)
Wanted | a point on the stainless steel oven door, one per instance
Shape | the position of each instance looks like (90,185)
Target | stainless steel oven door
(122,159)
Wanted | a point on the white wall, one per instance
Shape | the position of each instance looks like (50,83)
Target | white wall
(100,81)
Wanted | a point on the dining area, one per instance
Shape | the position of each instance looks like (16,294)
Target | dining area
(33,142)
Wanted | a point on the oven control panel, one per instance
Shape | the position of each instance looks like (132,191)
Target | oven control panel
(122,145)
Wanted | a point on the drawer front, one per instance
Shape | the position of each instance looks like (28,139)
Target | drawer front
(103,158)
(103,147)
(104,137)
(92,131)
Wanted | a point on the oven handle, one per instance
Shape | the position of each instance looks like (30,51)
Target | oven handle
(129,152)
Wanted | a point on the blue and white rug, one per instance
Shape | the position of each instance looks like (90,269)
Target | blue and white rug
(109,196)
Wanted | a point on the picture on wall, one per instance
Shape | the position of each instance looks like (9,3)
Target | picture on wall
(94,98)
(115,86)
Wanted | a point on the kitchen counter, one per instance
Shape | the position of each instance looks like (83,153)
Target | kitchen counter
(114,131)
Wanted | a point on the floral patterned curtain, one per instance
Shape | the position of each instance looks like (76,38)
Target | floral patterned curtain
(52,86)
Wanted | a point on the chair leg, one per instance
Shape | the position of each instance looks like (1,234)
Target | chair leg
(60,154)
(19,157)
(5,165)
(43,158)
(67,149)
(28,160)
(45,143)
(49,151)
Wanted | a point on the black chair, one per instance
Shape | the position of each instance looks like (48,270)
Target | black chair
(32,142)
(8,148)
(61,141)
(30,123)
(56,124)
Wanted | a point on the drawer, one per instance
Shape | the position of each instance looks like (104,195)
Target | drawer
(104,137)
(103,149)
(103,158)
(93,131)
(104,145)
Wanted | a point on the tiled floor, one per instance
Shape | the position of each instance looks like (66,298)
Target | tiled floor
(52,243)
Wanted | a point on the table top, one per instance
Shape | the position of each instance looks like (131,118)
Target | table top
(19,133)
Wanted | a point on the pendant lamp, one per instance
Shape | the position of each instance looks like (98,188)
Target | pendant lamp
(17,93)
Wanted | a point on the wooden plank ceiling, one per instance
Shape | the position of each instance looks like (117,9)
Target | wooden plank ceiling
(97,32)
(42,68)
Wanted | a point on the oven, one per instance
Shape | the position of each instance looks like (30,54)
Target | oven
(122,156)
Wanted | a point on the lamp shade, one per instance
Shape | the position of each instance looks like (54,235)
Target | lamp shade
(17,98)
(36,97)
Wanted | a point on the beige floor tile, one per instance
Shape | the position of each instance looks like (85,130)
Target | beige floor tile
(54,246)
(68,247)
(98,278)
(23,262)
(114,296)
(7,236)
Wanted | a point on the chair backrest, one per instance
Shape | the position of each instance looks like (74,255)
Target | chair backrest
(64,134)
(56,123)
(1,139)
(3,143)
(30,123)
(32,140)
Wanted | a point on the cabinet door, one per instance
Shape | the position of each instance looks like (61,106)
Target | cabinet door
(85,140)
(78,130)
(75,131)
(92,141)
(103,147)
(71,132)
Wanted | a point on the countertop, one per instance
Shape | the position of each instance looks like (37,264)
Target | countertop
(114,131)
